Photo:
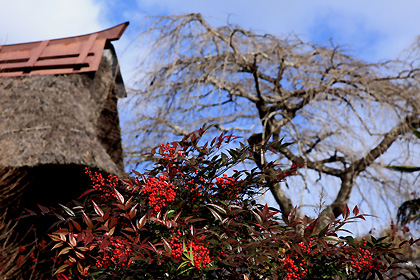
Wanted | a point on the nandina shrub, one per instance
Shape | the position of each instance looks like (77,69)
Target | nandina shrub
(193,215)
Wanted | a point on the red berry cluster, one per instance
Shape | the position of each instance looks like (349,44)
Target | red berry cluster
(363,260)
(159,192)
(105,186)
(292,270)
(201,254)
(197,186)
(116,254)
(306,248)
(168,151)
(228,186)
(295,268)
(176,247)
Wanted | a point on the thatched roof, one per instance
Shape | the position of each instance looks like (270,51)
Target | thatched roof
(58,114)
(56,120)
(63,119)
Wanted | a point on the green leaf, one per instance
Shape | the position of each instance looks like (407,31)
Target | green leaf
(381,239)
(225,158)
(280,146)
(416,133)
(374,241)
(182,265)
(403,168)
(323,231)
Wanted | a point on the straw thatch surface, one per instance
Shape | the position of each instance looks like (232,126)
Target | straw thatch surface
(51,128)
(63,119)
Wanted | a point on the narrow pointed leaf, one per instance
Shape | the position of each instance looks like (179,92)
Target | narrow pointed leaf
(141,222)
(215,214)
(119,196)
(219,208)
(57,245)
(355,211)
(64,251)
(97,209)
(404,168)
(68,210)
(61,269)
(87,220)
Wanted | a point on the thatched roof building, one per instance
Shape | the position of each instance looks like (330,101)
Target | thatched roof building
(58,103)
(58,115)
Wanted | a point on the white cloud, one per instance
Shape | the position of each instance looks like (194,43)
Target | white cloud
(375,29)
(27,20)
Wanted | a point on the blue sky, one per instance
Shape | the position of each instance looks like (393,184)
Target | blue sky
(372,30)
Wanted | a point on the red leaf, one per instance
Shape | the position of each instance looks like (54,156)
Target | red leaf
(119,196)
(141,222)
(202,238)
(77,226)
(106,214)
(177,217)
(97,209)
(113,222)
(61,269)
(64,251)
(361,217)
(86,193)
(43,209)
(346,212)
(31,213)
(355,211)
(167,246)
(310,229)
(72,240)
(87,220)
(79,267)
(54,238)
(128,203)
(133,212)
(79,255)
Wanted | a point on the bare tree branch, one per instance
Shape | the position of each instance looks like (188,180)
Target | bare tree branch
(337,109)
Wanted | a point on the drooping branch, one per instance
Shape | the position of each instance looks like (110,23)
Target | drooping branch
(315,165)
(410,123)
(332,105)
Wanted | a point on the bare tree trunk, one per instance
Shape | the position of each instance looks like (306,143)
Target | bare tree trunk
(321,97)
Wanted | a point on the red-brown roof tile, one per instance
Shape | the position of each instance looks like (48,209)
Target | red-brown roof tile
(77,54)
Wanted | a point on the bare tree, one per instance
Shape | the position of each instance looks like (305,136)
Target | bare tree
(342,113)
